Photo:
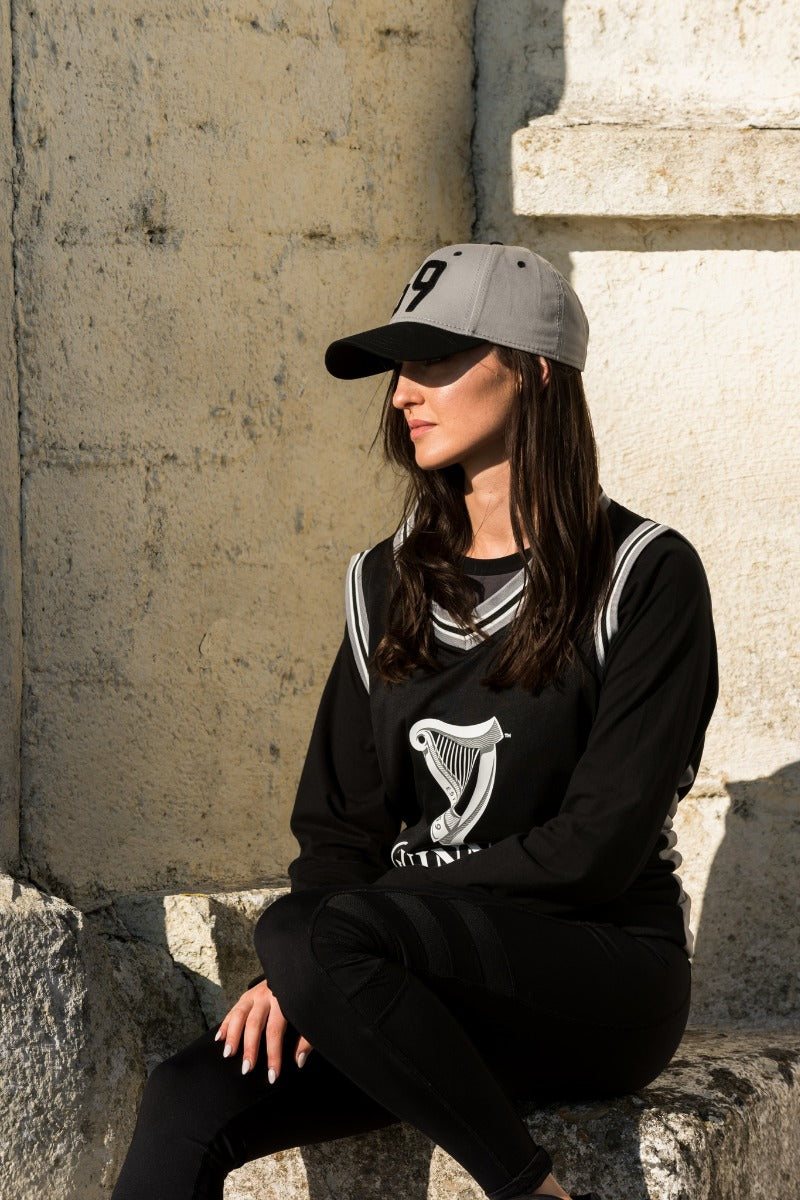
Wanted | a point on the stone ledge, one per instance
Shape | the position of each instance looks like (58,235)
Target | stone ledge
(721,1123)
(90,1001)
(636,171)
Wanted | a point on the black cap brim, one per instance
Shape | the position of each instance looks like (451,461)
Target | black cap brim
(379,349)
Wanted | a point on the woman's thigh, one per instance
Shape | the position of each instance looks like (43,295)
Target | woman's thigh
(585,1010)
(558,1008)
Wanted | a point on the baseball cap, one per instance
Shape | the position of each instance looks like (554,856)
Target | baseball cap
(465,295)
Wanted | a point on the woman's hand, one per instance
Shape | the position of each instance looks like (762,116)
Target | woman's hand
(253,1013)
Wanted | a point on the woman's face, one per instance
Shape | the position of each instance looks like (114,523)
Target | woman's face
(457,409)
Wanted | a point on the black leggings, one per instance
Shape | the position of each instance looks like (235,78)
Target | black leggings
(437,1007)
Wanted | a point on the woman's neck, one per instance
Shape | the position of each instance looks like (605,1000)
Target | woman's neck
(486,495)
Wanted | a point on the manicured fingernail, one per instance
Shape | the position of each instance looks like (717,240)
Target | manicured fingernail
(271,1076)
(218,1035)
(245,1066)
(228,1051)
(301,1058)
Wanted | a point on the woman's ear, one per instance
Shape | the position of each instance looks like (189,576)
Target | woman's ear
(545,365)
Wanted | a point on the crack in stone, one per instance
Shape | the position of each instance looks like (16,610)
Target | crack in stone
(16,171)
(473,133)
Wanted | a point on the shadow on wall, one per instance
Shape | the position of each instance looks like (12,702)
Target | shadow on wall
(520,74)
(747,959)
(559,237)
(206,939)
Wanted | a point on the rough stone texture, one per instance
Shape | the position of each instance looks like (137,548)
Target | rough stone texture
(10,578)
(91,1002)
(742,863)
(638,61)
(638,171)
(644,122)
(208,194)
(86,1011)
(210,937)
(721,1123)
(712,62)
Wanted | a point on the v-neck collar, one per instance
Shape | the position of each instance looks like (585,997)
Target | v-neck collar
(490,615)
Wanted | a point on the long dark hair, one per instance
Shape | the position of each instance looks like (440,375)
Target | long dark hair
(555,511)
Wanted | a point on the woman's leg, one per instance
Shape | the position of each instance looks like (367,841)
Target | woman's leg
(201,1118)
(443,1007)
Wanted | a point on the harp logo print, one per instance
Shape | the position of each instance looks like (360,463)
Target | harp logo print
(463,761)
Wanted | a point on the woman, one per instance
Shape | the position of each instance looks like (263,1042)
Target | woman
(484,908)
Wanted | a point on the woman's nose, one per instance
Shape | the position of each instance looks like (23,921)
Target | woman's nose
(406,391)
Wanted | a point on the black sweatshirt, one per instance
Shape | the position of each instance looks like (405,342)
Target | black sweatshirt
(562,801)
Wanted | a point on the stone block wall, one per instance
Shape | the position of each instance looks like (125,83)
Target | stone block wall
(206,196)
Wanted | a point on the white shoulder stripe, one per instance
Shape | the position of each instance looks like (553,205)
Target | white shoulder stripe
(357,620)
(607,622)
(403,531)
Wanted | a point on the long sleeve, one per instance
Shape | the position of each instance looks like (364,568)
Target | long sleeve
(645,743)
(341,816)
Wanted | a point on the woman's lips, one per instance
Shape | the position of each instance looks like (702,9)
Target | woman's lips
(417,428)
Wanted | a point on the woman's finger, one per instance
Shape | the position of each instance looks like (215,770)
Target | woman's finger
(302,1051)
(233,1024)
(254,1027)
(276,1029)
(230,1030)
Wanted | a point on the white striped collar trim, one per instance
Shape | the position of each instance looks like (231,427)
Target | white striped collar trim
(490,615)
(403,532)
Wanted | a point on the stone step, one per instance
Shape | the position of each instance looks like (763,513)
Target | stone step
(721,1123)
(91,1000)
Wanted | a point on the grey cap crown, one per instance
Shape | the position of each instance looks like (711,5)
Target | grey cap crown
(473,293)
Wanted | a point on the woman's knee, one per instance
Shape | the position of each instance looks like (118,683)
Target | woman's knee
(284,926)
(304,919)
(172,1089)
(302,938)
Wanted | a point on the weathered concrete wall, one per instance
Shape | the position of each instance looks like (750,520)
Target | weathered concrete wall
(10,580)
(208,194)
(691,375)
